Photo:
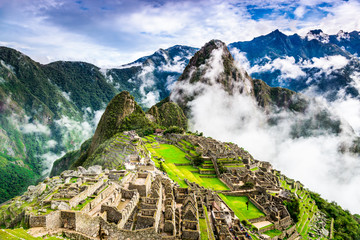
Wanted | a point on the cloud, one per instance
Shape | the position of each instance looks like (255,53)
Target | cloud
(287,66)
(300,11)
(111,33)
(290,69)
(326,64)
(48,160)
(35,128)
(312,158)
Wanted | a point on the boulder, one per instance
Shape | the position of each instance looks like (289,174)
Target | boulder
(96,169)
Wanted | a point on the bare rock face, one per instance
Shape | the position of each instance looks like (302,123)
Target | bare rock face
(212,65)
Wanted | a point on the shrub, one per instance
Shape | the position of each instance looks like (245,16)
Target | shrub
(174,129)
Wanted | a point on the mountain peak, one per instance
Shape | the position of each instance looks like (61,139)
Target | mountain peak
(212,65)
(317,34)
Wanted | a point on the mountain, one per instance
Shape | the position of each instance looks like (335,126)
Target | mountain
(149,79)
(317,63)
(194,177)
(212,65)
(48,110)
(108,145)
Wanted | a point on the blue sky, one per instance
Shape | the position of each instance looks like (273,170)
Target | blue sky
(115,32)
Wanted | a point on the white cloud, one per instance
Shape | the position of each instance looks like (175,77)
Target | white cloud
(173,66)
(300,11)
(314,160)
(66,95)
(35,128)
(288,67)
(327,64)
(97,116)
(51,143)
(127,35)
(48,159)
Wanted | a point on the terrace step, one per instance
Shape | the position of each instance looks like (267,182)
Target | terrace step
(208,176)
(208,166)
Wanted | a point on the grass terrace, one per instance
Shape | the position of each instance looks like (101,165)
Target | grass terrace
(19,233)
(273,233)
(238,205)
(307,210)
(173,155)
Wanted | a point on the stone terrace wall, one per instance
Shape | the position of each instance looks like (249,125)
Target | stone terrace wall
(84,194)
(87,225)
(53,220)
(114,233)
(99,198)
(129,208)
(37,221)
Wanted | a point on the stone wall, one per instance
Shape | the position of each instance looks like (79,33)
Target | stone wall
(262,230)
(37,221)
(110,189)
(68,220)
(84,194)
(87,225)
(285,222)
(53,220)
(129,208)
(259,219)
(143,189)
(190,234)
(112,214)
(112,232)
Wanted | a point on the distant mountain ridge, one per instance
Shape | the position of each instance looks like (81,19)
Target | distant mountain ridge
(47,110)
(321,63)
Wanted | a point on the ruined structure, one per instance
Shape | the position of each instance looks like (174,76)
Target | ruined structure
(144,203)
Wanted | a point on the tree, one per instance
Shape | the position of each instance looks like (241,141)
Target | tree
(161,168)
(198,160)
(293,207)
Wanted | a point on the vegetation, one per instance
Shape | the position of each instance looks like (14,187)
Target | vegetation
(14,179)
(293,207)
(174,129)
(20,233)
(168,114)
(203,229)
(273,233)
(346,226)
(172,156)
(240,208)
(198,160)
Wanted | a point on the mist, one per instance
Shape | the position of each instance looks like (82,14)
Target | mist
(314,160)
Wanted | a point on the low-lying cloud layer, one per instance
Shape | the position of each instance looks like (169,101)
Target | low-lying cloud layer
(315,160)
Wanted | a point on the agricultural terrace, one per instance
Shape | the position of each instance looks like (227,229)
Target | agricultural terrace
(173,156)
(308,209)
(20,233)
(238,205)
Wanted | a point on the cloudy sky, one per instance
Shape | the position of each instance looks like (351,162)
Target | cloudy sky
(114,32)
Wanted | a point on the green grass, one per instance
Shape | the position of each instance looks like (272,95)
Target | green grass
(203,229)
(254,169)
(273,233)
(238,205)
(234,165)
(172,154)
(80,206)
(19,233)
